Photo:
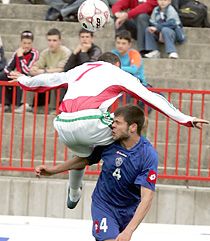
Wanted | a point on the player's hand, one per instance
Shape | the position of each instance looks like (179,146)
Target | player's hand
(124,236)
(197,123)
(43,170)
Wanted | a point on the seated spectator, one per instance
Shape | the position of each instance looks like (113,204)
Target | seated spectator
(85,51)
(165,27)
(134,17)
(52,60)
(22,61)
(66,10)
(131,62)
(3,60)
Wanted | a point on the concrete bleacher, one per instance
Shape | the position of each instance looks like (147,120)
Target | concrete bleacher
(191,71)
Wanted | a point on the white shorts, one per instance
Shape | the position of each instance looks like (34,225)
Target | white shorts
(81,131)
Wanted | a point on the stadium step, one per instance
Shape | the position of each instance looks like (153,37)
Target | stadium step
(191,69)
(179,83)
(23,11)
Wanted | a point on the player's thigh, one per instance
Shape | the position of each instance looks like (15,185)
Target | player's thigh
(80,150)
(105,227)
(84,132)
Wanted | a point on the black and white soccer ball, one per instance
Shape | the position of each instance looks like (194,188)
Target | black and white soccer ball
(93,15)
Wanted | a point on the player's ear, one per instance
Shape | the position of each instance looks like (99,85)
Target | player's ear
(133,127)
(118,64)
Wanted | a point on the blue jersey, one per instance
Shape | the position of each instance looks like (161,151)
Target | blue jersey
(124,172)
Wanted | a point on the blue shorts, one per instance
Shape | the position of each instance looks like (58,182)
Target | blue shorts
(109,221)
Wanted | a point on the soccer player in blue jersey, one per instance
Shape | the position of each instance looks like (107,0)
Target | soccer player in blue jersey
(126,185)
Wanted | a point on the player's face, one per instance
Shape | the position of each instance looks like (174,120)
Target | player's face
(54,42)
(120,129)
(122,45)
(86,38)
(26,44)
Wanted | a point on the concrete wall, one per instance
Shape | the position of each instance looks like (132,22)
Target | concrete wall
(47,198)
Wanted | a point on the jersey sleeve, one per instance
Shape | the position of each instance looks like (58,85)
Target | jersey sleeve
(43,82)
(131,85)
(148,176)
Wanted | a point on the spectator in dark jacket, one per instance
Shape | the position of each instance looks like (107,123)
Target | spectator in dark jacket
(22,61)
(86,51)
(2,56)
(133,15)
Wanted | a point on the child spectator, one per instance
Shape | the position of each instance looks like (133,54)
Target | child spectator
(85,51)
(131,60)
(22,61)
(165,27)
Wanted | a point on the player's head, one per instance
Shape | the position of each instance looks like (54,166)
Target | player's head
(128,120)
(123,41)
(110,58)
(54,39)
(85,36)
(26,40)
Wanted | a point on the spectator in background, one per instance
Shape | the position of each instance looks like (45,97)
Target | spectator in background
(3,60)
(52,60)
(86,50)
(165,27)
(133,15)
(131,62)
(66,10)
(22,61)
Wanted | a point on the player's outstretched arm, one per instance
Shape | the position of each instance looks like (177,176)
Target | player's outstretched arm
(75,163)
(158,102)
(197,123)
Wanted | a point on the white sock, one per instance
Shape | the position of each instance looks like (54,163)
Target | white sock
(75,194)
(75,182)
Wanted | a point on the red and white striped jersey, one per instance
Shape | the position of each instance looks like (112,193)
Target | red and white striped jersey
(97,85)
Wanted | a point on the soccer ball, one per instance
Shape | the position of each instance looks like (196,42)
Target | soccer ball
(93,15)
